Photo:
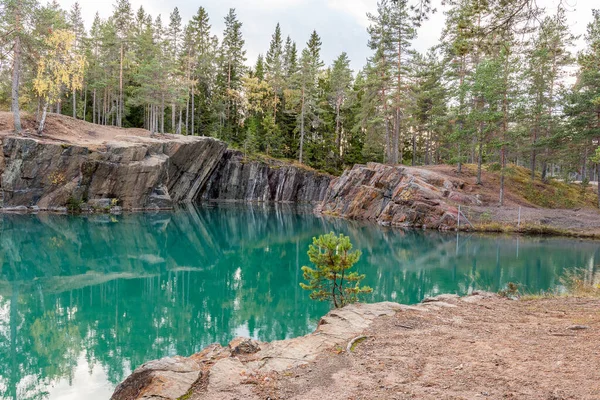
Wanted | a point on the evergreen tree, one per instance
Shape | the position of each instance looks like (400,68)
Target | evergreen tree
(233,57)
(274,64)
(339,93)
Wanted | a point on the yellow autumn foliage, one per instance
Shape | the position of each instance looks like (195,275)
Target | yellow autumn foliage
(60,67)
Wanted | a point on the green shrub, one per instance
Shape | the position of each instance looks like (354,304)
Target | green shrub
(330,279)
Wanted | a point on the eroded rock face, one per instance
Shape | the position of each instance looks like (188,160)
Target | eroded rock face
(238,179)
(139,172)
(396,196)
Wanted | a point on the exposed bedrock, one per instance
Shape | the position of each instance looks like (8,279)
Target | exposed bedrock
(397,196)
(138,172)
(239,179)
(225,372)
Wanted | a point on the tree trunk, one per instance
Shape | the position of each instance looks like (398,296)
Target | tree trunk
(598,177)
(414,147)
(40,129)
(94,107)
(180,118)
(502,172)
(16,74)
(338,136)
(584,166)
(173,111)
(479,155)
(162,114)
(120,107)
(396,140)
(301,129)
(74,103)
(193,113)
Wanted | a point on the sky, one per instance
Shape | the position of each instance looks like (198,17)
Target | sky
(341,24)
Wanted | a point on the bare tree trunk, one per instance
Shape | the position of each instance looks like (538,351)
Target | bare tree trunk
(533,144)
(94,108)
(180,118)
(480,154)
(120,107)
(173,128)
(193,113)
(502,173)
(301,129)
(16,73)
(414,147)
(162,114)
(42,124)
(338,135)
(598,181)
(74,103)
(395,138)
(85,104)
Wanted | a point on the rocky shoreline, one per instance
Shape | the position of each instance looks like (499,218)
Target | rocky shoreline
(345,353)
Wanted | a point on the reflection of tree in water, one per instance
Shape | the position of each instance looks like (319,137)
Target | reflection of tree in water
(120,292)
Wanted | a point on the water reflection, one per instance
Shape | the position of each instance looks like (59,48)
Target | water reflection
(83,300)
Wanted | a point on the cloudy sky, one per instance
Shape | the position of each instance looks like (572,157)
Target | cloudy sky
(340,23)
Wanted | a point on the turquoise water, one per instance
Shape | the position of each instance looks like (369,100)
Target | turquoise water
(84,300)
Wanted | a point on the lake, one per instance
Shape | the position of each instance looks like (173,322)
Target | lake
(84,300)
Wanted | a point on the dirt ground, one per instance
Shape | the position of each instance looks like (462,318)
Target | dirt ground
(64,129)
(546,349)
(583,217)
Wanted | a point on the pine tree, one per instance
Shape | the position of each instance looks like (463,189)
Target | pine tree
(304,95)
(15,22)
(122,17)
(339,94)
(233,57)
(78,28)
(274,64)
(401,33)
(583,102)
(547,62)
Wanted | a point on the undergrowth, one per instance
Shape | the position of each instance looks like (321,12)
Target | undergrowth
(553,193)
(574,282)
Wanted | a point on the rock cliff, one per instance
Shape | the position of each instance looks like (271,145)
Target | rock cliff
(397,196)
(139,172)
(142,172)
(238,179)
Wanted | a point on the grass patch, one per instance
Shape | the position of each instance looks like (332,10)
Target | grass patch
(531,229)
(575,283)
(551,194)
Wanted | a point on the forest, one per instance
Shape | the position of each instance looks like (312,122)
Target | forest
(504,85)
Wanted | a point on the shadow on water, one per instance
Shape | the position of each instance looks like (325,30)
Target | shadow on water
(84,300)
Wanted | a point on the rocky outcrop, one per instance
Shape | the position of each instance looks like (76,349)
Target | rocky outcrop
(221,372)
(137,172)
(396,196)
(237,178)
(142,172)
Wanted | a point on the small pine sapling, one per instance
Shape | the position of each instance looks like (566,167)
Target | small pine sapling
(330,279)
